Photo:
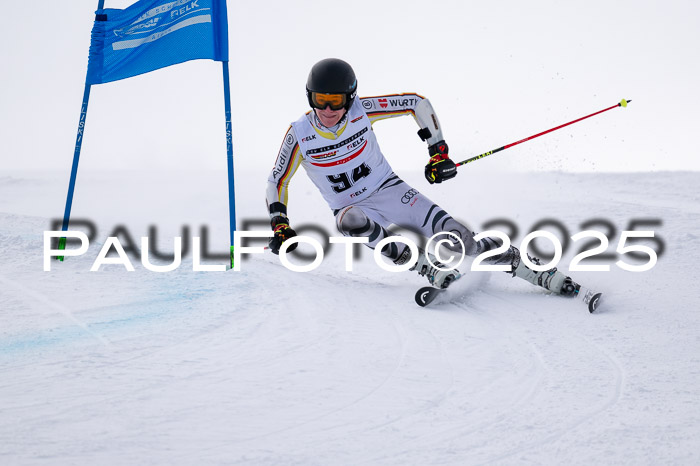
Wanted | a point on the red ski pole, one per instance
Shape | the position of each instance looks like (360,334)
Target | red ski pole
(623,103)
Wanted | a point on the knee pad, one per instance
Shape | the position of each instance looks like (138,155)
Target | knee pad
(510,257)
(470,247)
(351,219)
(450,225)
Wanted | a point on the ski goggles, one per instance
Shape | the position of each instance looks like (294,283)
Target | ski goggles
(321,101)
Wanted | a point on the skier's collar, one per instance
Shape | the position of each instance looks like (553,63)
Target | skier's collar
(329,133)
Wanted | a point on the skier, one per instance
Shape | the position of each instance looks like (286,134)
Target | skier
(335,144)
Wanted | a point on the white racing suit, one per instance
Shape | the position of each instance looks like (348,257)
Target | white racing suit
(355,179)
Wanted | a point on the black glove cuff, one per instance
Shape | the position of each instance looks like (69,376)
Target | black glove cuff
(278,220)
(278,208)
(439,147)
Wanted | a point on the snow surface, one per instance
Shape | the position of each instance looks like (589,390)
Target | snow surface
(267,366)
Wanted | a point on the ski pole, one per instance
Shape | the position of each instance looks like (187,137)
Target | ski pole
(623,103)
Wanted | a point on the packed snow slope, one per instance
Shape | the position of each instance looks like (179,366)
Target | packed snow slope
(269,366)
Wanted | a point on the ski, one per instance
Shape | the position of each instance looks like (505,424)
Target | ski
(588,297)
(427,295)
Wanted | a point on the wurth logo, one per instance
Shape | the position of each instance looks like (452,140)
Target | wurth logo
(403,102)
(383,103)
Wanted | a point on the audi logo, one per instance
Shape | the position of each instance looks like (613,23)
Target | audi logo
(410,194)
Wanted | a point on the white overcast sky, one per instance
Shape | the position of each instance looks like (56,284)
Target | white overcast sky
(495,71)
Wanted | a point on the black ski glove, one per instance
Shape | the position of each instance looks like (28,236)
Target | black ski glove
(440,167)
(280,225)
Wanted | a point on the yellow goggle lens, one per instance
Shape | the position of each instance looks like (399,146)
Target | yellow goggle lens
(321,101)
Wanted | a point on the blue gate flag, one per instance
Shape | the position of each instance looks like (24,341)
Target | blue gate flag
(153,34)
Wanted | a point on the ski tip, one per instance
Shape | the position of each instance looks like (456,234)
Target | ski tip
(593,303)
(426,295)
(422,297)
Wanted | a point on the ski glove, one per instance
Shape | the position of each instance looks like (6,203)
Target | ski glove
(440,167)
(280,225)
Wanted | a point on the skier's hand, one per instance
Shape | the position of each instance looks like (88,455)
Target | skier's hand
(280,225)
(440,167)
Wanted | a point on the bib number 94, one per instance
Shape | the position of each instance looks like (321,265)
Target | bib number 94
(344,181)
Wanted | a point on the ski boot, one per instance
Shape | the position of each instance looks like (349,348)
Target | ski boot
(434,273)
(552,279)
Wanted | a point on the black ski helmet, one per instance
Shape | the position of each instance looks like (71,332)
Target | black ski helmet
(332,76)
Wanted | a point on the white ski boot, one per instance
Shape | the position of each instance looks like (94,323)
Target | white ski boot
(551,279)
(434,273)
